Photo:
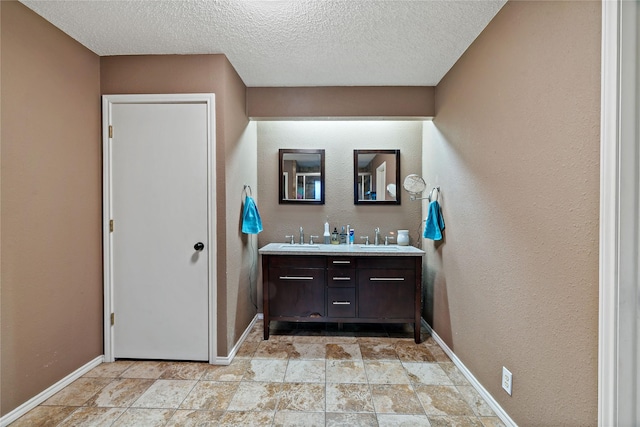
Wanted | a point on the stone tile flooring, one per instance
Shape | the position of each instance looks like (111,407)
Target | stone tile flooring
(304,375)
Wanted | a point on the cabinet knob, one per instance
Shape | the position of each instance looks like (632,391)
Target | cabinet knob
(198,246)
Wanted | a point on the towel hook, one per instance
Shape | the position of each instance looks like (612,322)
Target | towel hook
(245,190)
(437,189)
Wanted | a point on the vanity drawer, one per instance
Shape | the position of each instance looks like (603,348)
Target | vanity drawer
(341,302)
(341,278)
(296,292)
(341,262)
(386,294)
(299,261)
(387,262)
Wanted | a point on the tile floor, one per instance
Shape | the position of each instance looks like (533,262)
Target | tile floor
(304,375)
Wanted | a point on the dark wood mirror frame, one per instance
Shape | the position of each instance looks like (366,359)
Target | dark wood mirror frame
(312,162)
(366,190)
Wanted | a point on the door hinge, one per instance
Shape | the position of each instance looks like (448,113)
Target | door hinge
(111,226)
(110,131)
(113,319)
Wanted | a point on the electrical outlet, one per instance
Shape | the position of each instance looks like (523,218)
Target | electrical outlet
(507,380)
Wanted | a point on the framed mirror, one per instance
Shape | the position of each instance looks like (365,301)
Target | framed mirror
(301,174)
(376,177)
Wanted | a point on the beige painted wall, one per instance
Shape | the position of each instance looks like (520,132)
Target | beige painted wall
(234,141)
(342,101)
(515,147)
(51,279)
(338,139)
(241,168)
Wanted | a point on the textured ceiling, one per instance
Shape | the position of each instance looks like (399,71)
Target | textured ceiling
(288,42)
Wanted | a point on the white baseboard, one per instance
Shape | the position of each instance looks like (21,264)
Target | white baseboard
(221,360)
(38,399)
(506,419)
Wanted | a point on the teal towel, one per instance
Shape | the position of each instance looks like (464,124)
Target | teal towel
(435,223)
(251,222)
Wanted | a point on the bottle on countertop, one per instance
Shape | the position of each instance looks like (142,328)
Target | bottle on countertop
(335,239)
(327,235)
(343,236)
(403,237)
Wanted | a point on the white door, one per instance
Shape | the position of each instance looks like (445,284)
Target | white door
(160,243)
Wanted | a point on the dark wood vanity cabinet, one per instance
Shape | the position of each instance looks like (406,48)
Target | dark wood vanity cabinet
(342,289)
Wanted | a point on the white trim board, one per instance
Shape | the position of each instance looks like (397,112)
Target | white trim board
(228,359)
(607,335)
(107,102)
(44,395)
(495,406)
(619,322)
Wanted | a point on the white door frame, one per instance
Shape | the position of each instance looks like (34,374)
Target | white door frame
(107,102)
(619,302)
(381,181)
(285,184)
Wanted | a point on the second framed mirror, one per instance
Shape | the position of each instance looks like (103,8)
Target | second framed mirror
(376,177)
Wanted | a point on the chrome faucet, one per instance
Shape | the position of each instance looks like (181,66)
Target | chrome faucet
(376,240)
(301,236)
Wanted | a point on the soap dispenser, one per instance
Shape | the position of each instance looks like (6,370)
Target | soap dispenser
(335,240)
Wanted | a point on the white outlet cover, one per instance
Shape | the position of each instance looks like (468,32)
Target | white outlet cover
(507,380)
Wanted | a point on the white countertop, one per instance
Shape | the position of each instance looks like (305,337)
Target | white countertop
(322,249)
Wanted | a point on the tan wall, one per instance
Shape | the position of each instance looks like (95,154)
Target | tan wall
(51,206)
(338,139)
(193,74)
(322,102)
(241,165)
(515,147)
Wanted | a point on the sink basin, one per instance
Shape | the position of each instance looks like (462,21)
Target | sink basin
(291,247)
(379,248)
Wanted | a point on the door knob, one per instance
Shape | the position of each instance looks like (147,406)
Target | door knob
(198,246)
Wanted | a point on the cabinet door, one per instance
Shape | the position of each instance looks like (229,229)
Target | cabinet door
(296,292)
(386,294)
